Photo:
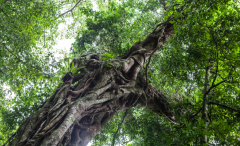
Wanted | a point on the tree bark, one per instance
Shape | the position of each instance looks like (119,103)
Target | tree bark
(205,105)
(74,115)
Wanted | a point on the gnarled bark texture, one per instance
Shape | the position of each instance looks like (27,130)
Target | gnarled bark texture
(74,115)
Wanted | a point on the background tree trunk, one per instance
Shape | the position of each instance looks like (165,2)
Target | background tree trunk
(74,115)
(205,105)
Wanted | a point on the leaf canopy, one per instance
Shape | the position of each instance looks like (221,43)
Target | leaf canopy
(206,35)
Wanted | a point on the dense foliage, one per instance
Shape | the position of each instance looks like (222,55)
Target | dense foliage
(206,41)
(27,34)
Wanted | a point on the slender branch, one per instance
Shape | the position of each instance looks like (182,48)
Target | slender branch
(158,26)
(157,47)
(215,77)
(4,12)
(67,4)
(169,19)
(214,39)
(225,106)
(3,44)
(69,10)
(113,142)
(196,113)
(213,86)
(10,138)
(2,71)
(148,65)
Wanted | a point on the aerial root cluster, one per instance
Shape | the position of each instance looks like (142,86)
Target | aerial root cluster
(73,115)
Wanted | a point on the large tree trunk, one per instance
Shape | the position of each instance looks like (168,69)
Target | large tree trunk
(73,116)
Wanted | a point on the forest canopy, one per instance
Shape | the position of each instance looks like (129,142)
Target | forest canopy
(197,68)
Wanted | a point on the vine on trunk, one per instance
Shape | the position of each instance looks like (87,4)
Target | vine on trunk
(74,115)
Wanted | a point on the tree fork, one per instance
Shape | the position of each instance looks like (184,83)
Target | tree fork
(73,116)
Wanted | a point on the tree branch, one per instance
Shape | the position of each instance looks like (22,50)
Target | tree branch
(225,106)
(69,10)
(113,142)
(214,39)
(213,86)
(4,12)
(157,47)
(148,65)
(3,44)
(196,113)
(2,71)
(10,138)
